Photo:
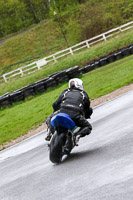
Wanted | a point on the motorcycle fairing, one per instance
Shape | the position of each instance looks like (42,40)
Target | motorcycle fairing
(63,120)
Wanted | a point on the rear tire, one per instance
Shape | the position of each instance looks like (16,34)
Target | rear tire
(56,147)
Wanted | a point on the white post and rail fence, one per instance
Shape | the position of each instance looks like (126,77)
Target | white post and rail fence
(37,65)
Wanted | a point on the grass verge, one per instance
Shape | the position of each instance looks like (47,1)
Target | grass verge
(21,117)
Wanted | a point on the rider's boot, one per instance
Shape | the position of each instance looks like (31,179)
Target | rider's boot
(81,133)
(84,131)
(77,137)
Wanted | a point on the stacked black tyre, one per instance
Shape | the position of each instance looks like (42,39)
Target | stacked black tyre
(59,77)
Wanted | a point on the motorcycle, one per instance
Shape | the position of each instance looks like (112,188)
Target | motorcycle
(63,139)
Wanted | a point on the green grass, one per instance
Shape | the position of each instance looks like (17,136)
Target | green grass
(21,117)
(80,58)
(39,41)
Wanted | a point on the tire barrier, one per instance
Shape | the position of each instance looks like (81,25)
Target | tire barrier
(28,91)
(16,96)
(50,82)
(125,52)
(102,61)
(39,87)
(82,70)
(97,63)
(89,67)
(5,100)
(62,76)
(118,55)
(131,49)
(111,58)
(72,72)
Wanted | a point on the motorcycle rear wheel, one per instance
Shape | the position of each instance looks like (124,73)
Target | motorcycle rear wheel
(56,147)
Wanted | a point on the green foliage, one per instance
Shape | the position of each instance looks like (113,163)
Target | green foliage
(63,5)
(73,30)
(91,17)
(17,15)
(13,16)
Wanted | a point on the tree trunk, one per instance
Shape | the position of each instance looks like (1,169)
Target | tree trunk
(32,10)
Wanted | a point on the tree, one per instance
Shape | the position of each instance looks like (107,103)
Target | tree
(31,9)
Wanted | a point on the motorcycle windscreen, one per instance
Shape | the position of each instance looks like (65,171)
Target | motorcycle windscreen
(63,120)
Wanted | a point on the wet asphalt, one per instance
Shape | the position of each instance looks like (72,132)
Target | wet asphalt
(100,168)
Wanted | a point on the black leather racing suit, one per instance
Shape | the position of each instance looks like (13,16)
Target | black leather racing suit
(76,103)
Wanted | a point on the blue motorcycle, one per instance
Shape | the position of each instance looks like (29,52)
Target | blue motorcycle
(63,139)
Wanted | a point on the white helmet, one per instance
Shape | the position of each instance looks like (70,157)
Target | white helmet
(77,83)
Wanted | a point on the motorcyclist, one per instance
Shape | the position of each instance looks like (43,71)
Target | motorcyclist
(75,102)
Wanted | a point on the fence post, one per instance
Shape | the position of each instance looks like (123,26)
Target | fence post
(21,71)
(38,66)
(87,44)
(71,51)
(120,29)
(104,37)
(54,58)
(4,77)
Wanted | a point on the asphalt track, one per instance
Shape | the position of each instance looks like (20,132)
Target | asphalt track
(100,168)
